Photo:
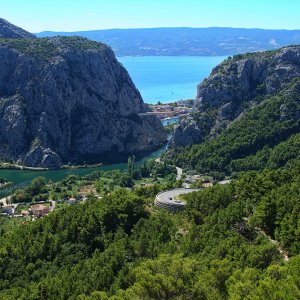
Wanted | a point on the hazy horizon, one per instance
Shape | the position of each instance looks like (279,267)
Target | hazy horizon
(170,27)
(70,15)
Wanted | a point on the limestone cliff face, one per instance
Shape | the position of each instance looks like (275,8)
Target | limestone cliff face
(8,30)
(187,132)
(235,86)
(67,99)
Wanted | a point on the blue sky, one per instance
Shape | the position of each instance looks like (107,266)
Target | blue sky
(73,15)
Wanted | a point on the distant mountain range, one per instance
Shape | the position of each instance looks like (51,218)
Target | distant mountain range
(187,41)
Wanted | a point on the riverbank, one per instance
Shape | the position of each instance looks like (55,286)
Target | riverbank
(74,167)
(9,166)
(21,178)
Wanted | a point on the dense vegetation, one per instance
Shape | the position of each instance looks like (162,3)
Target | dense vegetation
(235,241)
(119,247)
(47,48)
(238,241)
(265,137)
(36,191)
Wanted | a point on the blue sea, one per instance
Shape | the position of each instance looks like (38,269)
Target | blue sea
(169,78)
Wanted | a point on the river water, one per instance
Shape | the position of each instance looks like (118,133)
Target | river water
(22,178)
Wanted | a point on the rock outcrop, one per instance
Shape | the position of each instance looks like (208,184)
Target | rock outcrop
(187,132)
(10,31)
(235,86)
(67,99)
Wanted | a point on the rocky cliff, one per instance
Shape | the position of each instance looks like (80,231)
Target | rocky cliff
(67,99)
(235,86)
(10,31)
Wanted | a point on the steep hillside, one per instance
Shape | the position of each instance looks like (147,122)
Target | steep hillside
(266,136)
(10,31)
(234,87)
(67,99)
(188,41)
(121,247)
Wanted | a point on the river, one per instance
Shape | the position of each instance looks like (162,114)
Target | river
(170,121)
(22,178)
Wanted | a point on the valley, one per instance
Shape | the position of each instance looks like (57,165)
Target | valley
(204,204)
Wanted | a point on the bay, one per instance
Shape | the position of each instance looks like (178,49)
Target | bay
(169,78)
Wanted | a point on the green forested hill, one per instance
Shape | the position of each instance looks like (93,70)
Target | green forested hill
(266,136)
(120,248)
(238,241)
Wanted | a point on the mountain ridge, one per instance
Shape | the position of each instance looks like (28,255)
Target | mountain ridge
(246,116)
(235,86)
(68,100)
(179,41)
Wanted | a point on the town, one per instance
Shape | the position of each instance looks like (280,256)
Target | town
(172,110)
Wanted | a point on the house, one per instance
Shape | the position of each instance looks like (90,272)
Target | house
(39,210)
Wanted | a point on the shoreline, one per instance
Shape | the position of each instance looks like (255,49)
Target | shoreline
(80,166)
(8,166)
(25,168)
(11,166)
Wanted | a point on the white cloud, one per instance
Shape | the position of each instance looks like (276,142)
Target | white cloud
(90,14)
